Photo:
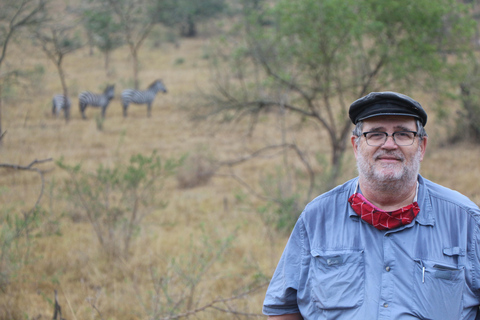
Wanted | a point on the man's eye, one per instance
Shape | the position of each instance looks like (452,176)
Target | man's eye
(403,134)
(376,135)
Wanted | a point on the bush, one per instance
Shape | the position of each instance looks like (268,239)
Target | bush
(195,171)
(18,227)
(16,233)
(115,200)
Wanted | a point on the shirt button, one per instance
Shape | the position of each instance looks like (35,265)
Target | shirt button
(385,305)
(388,269)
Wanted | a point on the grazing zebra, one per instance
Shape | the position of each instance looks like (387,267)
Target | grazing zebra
(59,103)
(96,100)
(142,97)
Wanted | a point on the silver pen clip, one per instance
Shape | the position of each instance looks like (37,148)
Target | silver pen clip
(423,275)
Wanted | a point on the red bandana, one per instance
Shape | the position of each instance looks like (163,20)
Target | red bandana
(381,219)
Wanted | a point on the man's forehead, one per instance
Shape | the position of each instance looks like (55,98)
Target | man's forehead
(390,121)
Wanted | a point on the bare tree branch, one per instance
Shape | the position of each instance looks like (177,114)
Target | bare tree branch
(31,167)
(28,167)
(57,312)
(33,15)
(213,305)
(260,153)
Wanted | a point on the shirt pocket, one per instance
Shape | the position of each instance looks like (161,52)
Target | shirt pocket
(338,279)
(438,290)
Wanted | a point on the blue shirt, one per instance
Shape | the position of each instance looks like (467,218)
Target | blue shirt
(336,266)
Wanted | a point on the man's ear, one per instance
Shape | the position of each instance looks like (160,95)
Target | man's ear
(354,144)
(423,147)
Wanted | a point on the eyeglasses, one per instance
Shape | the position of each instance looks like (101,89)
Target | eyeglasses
(401,138)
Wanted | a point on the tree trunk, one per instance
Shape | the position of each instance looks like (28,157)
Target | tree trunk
(1,132)
(337,156)
(189,29)
(107,63)
(135,68)
(471,127)
(61,73)
(339,147)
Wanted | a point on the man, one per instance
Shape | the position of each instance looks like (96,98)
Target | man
(388,244)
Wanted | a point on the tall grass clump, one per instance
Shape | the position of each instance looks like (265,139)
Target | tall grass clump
(196,170)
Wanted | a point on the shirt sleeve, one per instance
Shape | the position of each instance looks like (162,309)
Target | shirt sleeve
(475,260)
(281,296)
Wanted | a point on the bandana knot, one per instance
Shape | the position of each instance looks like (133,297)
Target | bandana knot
(380,219)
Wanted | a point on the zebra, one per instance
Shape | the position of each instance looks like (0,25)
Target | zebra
(96,100)
(142,97)
(59,103)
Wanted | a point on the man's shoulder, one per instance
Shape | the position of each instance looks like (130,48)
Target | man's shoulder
(330,208)
(330,197)
(440,193)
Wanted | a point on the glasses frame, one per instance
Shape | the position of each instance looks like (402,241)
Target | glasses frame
(415,133)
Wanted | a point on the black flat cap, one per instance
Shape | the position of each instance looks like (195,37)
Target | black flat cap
(385,104)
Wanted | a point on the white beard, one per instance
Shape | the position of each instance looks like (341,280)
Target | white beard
(389,177)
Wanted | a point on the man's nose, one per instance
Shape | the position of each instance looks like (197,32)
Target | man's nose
(390,143)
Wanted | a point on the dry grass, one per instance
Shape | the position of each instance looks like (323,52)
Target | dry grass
(72,262)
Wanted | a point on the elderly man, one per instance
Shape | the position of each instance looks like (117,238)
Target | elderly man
(388,244)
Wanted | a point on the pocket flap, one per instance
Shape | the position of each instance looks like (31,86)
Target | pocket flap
(453,251)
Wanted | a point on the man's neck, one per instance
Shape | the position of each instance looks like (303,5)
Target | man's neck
(389,196)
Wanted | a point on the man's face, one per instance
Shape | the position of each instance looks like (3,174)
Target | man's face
(389,162)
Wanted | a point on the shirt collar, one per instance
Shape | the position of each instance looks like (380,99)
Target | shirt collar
(425,217)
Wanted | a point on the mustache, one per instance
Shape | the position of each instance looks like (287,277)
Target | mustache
(390,154)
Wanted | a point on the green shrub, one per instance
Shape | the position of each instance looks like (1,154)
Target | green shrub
(116,200)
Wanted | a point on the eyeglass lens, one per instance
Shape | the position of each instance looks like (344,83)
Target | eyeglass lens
(401,138)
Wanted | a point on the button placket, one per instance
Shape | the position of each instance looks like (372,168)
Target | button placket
(387,277)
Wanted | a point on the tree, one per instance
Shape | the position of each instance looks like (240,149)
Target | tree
(186,14)
(16,15)
(466,117)
(103,30)
(319,56)
(136,20)
(58,40)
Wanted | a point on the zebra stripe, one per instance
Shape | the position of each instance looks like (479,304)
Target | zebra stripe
(142,97)
(59,103)
(87,98)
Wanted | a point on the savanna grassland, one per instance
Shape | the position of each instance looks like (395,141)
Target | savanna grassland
(196,221)
(207,243)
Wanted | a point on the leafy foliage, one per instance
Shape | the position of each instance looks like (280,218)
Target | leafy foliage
(316,57)
(186,14)
(15,16)
(105,30)
(135,22)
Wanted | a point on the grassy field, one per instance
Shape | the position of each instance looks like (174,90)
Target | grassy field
(207,243)
(192,229)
